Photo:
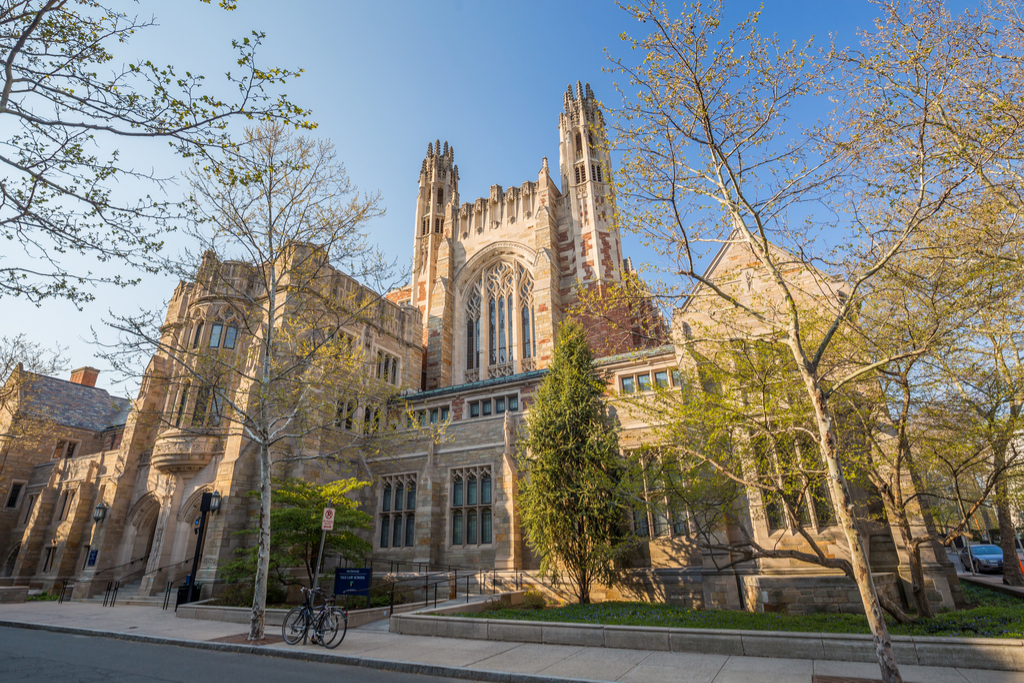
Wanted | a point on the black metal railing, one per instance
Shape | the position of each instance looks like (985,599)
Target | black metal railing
(67,586)
(110,595)
(449,576)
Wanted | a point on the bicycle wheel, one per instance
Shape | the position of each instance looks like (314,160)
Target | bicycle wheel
(295,625)
(339,618)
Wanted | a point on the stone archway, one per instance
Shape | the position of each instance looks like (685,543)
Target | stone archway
(7,569)
(140,537)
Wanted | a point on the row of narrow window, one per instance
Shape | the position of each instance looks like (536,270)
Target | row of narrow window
(432,416)
(425,226)
(470,504)
(596,173)
(579,143)
(387,367)
(221,336)
(494,406)
(398,492)
(207,409)
(630,384)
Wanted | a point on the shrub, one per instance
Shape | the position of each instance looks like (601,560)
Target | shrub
(534,599)
(240,595)
(43,597)
(497,605)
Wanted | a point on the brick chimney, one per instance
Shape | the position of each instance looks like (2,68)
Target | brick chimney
(86,376)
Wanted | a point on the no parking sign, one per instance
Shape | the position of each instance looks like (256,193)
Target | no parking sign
(327,522)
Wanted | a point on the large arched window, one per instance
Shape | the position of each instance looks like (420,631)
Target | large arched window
(504,342)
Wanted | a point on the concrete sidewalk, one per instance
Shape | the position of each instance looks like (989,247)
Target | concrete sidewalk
(993,581)
(479,660)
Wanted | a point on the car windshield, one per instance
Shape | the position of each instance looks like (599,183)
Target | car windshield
(986,550)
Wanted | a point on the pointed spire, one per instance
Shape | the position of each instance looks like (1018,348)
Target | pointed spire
(451,153)
(579,90)
(590,93)
(437,145)
(445,148)
(430,149)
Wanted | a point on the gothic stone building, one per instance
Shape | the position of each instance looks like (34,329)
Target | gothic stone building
(466,342)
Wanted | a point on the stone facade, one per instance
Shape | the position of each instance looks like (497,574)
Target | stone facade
(472,332)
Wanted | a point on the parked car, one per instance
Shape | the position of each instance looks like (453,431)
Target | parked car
(982,558)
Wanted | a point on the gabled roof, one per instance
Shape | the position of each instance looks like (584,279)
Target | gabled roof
(73,405)
(734,241)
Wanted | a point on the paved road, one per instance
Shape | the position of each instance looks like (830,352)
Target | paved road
(41,656)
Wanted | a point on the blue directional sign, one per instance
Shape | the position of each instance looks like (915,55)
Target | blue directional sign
(92,558)
(353,581)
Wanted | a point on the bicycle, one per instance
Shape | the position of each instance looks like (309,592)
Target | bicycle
(326,623)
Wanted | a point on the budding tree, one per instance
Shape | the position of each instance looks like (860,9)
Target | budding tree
(280,220)
(713,157)
(66,105)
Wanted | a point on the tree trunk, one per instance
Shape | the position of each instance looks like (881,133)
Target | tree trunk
(1007,539)
(1007,534)
(259,597)
(924,608)
(843,504)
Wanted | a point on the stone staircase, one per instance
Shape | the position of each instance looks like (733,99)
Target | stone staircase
(128,595)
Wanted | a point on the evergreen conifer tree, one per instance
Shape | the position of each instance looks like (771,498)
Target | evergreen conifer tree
(573,498)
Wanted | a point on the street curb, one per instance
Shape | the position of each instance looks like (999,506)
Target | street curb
(365,662)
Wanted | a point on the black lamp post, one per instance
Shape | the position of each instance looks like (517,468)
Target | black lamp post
(209,503)
(100,513)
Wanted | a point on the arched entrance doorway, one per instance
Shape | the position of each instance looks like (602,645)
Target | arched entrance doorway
(7,569)
(141,532)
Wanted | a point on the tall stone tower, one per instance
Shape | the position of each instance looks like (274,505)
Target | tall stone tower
(593,253)
(432,264)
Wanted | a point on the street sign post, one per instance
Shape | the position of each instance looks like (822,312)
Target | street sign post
(326,524)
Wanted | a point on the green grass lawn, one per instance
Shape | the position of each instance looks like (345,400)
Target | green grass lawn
(995,616)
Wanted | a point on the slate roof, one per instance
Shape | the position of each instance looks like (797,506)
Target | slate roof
(74,405)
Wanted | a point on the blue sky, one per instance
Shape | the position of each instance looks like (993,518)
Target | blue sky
(383,79)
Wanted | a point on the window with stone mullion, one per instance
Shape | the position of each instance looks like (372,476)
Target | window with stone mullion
(504,298)
(470,501)
(397,511)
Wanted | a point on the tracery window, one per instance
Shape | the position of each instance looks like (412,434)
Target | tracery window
(398,511)
(505,296)
(470,505)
